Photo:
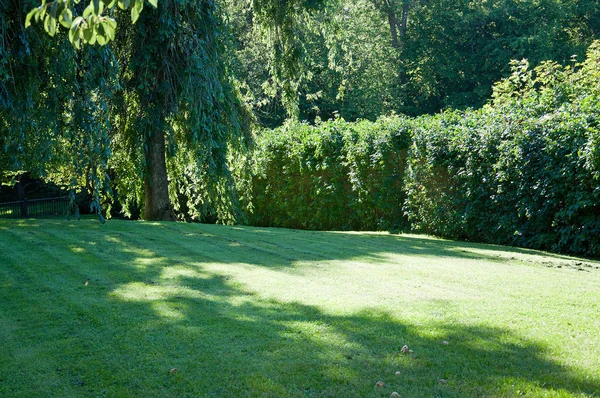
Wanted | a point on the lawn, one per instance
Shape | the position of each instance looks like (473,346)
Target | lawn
(172,310)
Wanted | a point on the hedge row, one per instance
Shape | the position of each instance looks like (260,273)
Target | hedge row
(337,175)
(523,171)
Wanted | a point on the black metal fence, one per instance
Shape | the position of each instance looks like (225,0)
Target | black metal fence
(34,207)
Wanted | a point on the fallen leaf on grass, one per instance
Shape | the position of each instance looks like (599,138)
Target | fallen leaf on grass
(443,381)
(394,394)
(444,342)
(398,373)
(380,384)
(87,283)
(174,370)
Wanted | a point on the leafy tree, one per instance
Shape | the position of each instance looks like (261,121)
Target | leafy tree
(53,114)
(178,98)
(167,115)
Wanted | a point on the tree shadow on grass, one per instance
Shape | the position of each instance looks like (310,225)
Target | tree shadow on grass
(224,341)
(265,347)
(151,307)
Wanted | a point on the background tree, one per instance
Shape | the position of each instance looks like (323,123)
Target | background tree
(365,58)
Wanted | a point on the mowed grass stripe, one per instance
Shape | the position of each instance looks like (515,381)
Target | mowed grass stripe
(243,311)
(42,308)
(266,247)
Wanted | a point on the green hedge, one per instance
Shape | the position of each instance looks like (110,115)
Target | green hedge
(524,170)
(336,175)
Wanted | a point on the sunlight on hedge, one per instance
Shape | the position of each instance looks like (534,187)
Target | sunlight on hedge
(523,170)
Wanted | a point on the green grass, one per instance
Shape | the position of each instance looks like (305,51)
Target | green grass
(108,310)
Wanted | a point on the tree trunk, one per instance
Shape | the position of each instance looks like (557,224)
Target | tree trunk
(396,27)
(405,7)
(393,24)
(157,206)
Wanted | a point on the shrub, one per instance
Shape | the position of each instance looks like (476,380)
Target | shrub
(522,171)
(336,175)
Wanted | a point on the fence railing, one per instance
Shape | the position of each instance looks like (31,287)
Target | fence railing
(34,207)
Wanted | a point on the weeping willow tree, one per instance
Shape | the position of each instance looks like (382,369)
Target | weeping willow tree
(180,114)
(155,109)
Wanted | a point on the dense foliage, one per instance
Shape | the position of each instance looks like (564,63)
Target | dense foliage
(179,115)
(524,170)
(147,121)
(156,121)
(53,115)
(365,58)
(336,175)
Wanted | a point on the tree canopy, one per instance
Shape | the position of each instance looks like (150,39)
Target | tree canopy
(157,105)
(146,104)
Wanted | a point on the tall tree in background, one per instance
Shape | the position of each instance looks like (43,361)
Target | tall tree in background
(396,12)
(370,57)
(347,64)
